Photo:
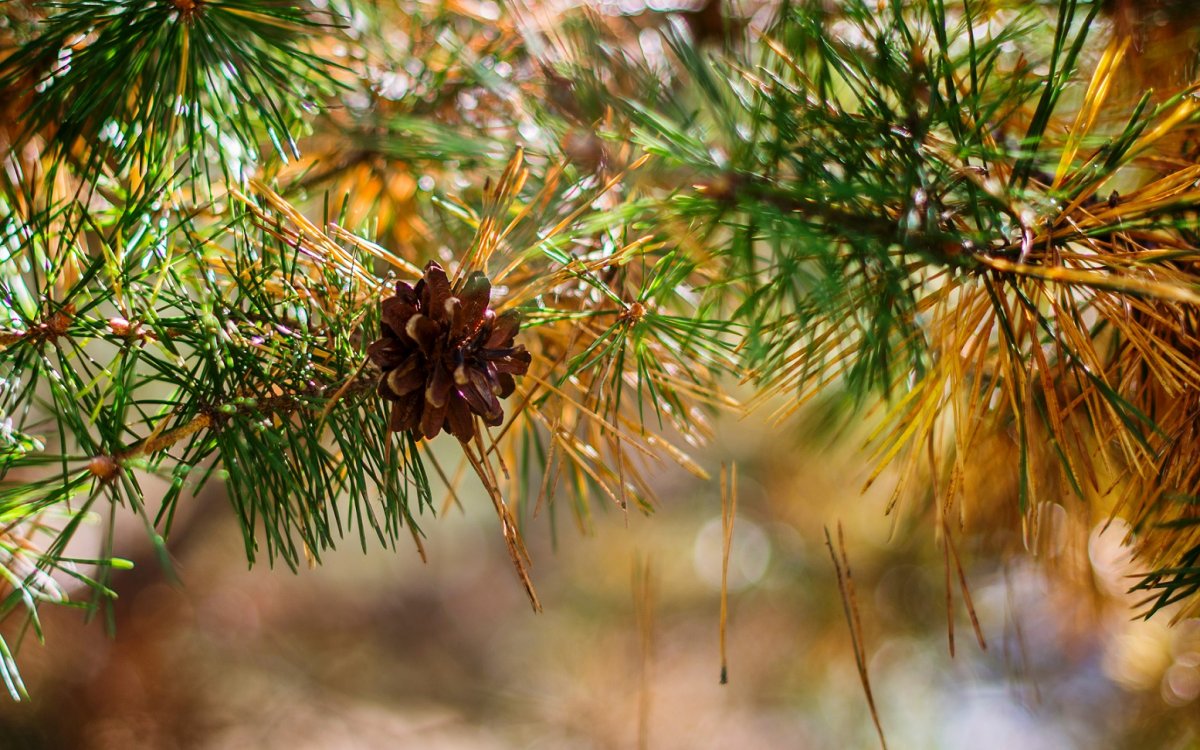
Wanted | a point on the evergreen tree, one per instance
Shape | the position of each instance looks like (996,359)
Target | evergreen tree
(286,246)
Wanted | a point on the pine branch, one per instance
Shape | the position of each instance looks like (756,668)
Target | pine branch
(901,205)
(892,212)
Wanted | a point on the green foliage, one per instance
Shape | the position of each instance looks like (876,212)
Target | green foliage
(132,85)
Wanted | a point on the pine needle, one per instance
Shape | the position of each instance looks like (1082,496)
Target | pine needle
(841,566)
(968,602)
(508,526)
(1093,102)
(643,586)
(728,514)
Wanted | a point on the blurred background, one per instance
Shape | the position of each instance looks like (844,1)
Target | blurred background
(378,650)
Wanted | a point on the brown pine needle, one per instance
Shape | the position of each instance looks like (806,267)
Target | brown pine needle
(337,396)
(850,607)
(159,440)
(728,513)
(966,591)
(949,601)
(1075,277)
(451,485)
(495,448)
(550,476)
(599,420)
(416,537)
(493,480)
(508,526)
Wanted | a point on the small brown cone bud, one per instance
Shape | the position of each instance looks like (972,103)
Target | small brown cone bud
(104,468)
(446,356)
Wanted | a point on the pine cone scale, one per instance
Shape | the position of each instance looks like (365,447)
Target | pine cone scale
(386,352)
(439,386)
(396,312)
(504,328)
(406,378)
(423,332)
(516,363)
(433,418)
(433,291)
(459,422)
(508,384)
(406,413)
(475,296)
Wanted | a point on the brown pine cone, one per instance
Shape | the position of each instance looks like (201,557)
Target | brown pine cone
(445,355)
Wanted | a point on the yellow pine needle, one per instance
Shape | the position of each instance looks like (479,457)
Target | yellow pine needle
(845,581)
(550,476)
(337,396)
(795,374)
(1075,277)
(1156,198)
(508,527)
(728,514)
(954,562)
(1053,409)
(677,454)
(1093,101)
(600,421)
(492,479)
(817,349)
(788,60)
(586,206)
(702,393)
(498,200)
(309,239)
(927,396)
(1166,186)
(1182,111)
(546,282)
(812,389)
(584,458)
(376,250)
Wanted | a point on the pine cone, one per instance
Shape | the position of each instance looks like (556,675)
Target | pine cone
(445,355)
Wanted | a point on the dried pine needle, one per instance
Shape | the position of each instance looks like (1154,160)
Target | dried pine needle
(841,566)
(728,514)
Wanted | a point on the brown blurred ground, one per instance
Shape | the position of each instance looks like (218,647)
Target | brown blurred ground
(380,651)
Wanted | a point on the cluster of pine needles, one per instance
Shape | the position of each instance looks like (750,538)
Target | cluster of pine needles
(973,217)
